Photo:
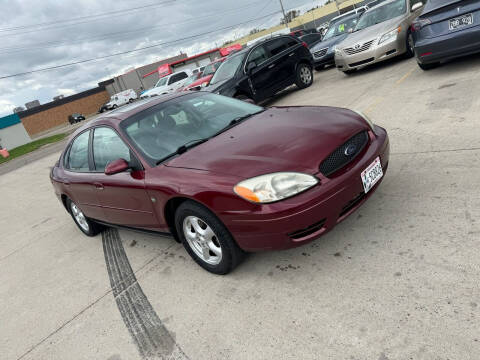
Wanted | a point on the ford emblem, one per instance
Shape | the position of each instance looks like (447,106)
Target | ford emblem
(350,150)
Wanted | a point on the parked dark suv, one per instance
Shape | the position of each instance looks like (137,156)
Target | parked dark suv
(265,68)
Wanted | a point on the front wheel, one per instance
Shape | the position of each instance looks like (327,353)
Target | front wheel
(87,226)
(410,46)
(244,98)
(114,106)
(130,101)
(206,239)
(304,76)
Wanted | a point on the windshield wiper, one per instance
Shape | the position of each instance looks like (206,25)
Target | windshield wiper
(192,143)
(183,148)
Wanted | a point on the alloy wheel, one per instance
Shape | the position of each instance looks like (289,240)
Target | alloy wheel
(305,75)
(79,217)
(202,240)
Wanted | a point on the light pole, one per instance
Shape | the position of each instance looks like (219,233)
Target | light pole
(284,15)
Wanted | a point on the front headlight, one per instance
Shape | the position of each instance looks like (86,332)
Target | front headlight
(390,36)
(338,51)
(273,187)
(366,118)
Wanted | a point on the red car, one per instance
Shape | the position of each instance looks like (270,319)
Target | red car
(221,175)
(207,75)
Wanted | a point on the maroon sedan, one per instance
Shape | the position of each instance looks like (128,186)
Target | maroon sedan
(223,176)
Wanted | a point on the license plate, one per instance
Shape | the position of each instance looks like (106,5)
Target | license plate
(460,21)
(372,174)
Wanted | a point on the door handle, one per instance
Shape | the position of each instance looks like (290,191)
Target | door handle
(271,66)
(291,54)
(98,186)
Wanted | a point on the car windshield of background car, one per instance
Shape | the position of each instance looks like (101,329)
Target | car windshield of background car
(383,13)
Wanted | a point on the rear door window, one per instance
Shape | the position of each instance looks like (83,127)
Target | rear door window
(177,77)
(78,154)
(279,45)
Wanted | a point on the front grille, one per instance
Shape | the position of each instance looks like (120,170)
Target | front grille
(361,62)
(320,53)
(352,203)
(308,230)
(341,156)
(359,48)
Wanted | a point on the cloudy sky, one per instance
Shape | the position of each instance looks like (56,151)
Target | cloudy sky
(38,34)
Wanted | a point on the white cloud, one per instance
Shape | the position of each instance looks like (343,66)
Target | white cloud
(32,48)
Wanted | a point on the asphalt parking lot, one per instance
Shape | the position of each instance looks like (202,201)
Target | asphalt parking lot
(399,279)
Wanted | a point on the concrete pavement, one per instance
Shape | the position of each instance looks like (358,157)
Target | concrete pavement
(396,280)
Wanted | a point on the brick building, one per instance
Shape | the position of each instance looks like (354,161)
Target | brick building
(55,113)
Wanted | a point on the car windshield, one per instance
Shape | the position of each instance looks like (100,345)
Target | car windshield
(382,13)
(211,68)
(160,130)
(161,82)
(227,69)
(340,26)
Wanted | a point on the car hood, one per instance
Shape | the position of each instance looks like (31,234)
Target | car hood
(329,43)
(372,32)
(278,139)
(217,86)
(201,80)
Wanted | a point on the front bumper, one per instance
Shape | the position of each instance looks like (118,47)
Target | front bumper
(328,59)
(303,218)
(374,54)
(448,46)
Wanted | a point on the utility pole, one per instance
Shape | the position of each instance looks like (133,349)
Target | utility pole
(284,15)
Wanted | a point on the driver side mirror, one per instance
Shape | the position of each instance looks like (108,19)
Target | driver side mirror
(250,67)
(417,6)
(116,166)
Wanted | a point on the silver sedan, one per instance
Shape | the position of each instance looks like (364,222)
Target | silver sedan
(381,33)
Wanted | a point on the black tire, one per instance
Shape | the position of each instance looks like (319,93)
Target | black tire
(244,98)
(349,72)
(410,48)
(114,106)
(130,101)
(302,80)
(232,255)
(427,67)
(93,227)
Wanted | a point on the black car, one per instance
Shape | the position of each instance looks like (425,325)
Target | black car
(324,52)
(311,39)
(75,118)
(260,71)
(446,29)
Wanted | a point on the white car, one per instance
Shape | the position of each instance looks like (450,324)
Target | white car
(122,98)
(167,84)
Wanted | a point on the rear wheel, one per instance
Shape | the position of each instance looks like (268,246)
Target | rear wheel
(114,106)
(206,239)
(87,226)
(130,101)
(349,72)
(304,76)
(428,66)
